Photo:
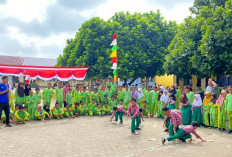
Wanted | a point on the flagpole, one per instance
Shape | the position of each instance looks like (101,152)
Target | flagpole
(114,59)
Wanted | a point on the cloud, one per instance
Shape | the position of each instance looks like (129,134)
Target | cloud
(80,4)
(170,9)
(40,28)
(169,4)
(3,2)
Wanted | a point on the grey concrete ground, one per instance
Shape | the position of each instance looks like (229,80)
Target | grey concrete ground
(96,136)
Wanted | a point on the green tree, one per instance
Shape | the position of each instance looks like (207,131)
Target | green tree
(142,45)
(202,45)
(216,43)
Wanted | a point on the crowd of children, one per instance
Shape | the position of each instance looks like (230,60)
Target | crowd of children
(206,109)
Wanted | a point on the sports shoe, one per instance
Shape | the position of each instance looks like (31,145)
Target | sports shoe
(163,141)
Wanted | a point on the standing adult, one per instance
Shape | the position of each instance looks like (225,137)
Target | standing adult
(212,86)
(65,91)
(4,99)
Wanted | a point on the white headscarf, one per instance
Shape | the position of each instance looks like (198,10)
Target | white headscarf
(164,97)
(197,102)
(140,93)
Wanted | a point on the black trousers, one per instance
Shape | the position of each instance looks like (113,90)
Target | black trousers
(6,108)
(65,103)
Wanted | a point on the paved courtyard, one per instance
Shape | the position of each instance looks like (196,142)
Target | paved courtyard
(97,137)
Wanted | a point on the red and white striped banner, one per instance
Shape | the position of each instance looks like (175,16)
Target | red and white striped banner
(45,73)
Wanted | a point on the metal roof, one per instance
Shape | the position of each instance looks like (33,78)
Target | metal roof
(30,61)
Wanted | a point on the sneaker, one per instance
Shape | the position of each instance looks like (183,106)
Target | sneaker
(182,140)
(134,133)
(137,129)
(8,125)
(166,130)
(220,129)
(223,129)
(230,132)
(163,141)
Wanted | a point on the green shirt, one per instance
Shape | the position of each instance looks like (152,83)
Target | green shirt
(126,96)
(76,96)
(228,102)
(37,98)
(113,103)
(190,97)
(21,115)
(69,99)
(31,101)
(47,94)
(19,100)
(59,94)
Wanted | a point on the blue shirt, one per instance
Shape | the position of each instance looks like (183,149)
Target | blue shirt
(4,97)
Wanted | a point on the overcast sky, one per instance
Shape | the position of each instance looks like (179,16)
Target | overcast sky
(39,28)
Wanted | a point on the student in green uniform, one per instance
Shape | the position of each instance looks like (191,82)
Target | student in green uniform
(172,102)
(84,95)
(145,110)
(19,94)
(31,102)
(37,96)
(95,95)
(148,99)
(69,98)
(229,108)
(160,112)
(21,115)
(59,94)
(11,100)
(109,82)
(28,115)
(98,110)
(92,107)
(26,91)
(76,110)
(106,99)
(47,95)
(40,114)
(177,96)
(206,108)
(189,94)
(68,111)
(197,109)
(221,111)
(120,94)
(213,112)
(113,87)
(83,108)
(102,95)
(113,102)
(109,92)
(48,111)
(13,113)
(58,112)
(143,89)
(106,109)
(126,97)
(76,94)
(155,95)
(184,134)
(185,110)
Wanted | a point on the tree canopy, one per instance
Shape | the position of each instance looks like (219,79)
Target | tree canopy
(143,40)
(203,44)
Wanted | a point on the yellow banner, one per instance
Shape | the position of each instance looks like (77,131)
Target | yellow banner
(113,54)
